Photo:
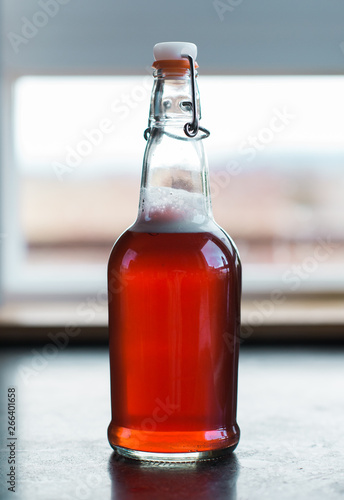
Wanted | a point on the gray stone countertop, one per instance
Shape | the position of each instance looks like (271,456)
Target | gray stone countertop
(290,411)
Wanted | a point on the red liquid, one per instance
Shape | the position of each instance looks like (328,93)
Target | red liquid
(174,317)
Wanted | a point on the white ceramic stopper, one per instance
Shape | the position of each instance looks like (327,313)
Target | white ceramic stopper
(173,50)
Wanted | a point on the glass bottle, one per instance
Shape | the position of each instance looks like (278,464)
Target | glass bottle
(174,282)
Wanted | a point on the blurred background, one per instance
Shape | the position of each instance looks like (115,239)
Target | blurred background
(75,87)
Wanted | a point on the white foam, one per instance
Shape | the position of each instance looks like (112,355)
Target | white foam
(165,209)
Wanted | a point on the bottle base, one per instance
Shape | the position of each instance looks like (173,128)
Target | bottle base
(173,446)
(174,457)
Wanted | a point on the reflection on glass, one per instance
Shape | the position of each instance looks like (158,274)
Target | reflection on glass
(132,479)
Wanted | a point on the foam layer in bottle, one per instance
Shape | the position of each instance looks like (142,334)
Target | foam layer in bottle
(170,210)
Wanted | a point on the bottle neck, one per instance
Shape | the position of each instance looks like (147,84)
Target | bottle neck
(171,101)
(174,189)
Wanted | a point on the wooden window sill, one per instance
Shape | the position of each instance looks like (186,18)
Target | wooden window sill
(293,319)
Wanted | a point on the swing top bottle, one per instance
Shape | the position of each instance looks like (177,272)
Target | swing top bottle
(174,280)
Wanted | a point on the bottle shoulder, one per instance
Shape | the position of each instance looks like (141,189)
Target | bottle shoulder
(226,238)
(205,248)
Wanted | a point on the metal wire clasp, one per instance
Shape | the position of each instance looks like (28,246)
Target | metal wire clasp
(191,129)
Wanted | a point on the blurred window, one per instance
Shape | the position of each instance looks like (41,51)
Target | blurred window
(73,166)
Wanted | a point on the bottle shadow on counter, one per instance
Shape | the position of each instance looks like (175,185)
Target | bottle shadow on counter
(207,480)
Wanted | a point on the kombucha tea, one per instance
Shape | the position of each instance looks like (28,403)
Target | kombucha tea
(174,315)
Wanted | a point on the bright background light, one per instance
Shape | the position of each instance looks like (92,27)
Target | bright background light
(52,113)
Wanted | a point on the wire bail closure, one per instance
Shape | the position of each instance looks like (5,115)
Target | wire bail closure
(191,129)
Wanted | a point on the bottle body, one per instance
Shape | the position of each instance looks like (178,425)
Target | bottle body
(174,319)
